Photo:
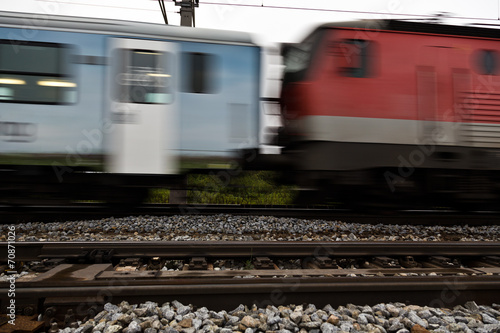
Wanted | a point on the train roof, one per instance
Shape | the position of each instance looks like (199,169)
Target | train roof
(418,27)
(128,28)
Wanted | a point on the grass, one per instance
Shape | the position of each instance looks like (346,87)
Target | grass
(246,188)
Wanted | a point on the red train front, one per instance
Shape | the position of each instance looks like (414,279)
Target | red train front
(394,112)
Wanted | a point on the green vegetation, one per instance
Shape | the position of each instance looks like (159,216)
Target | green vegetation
(226,187)
(249,265)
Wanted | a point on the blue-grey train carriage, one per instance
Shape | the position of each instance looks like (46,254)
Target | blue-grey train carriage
(92,105)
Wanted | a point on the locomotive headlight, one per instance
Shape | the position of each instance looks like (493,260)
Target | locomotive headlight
(55,83)
(11,81)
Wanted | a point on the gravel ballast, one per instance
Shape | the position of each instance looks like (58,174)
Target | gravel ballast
(240,228)
(175,317)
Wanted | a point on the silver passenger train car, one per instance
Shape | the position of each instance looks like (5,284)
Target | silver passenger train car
(93,105)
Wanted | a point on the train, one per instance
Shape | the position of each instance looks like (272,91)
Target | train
(394,113)
(106,109)
(372,113)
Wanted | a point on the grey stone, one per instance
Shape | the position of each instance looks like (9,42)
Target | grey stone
(436,321)
(232,320)
(169,329)
(124,307)
(273,320)
(396,326)
(197,323)
(289,324)
(394,311)
(367,309)
(310,325)
(311,308)
(113,329)
(424,314)
(140,312)
(176,304)
(202,313)
(156,325)
(492,328)
(329,309)
(111,307)
(216,315)
(346,326)
(433,326)
(168,314)
(183,310)
(296,317)
(99,327)
(100,315)
(487,319)
(240,308)
(362,319)
(474,323)
(471,306)
(125,319)
(437,312)
(86,328)
(382,322)
(417,320)
(328,328)
(448,319)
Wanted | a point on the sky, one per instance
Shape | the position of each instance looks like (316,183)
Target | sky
(271,21)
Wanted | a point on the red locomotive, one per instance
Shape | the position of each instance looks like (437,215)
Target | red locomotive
(394,111)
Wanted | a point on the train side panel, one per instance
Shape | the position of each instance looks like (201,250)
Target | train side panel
(95,106)
(219,94)
(386,109)
(51,94)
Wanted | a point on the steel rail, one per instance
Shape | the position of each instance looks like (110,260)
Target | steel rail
(47,213)
(226,294)
(118,250)
(86,285)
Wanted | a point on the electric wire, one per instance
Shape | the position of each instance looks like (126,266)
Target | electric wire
(406,15)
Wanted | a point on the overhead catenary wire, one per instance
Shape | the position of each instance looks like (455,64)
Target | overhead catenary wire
(262,5)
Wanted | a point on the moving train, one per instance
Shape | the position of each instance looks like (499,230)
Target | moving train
(107,109)
(394,113)
(376,112)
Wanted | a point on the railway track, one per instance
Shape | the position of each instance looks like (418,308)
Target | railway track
(52,213)
(81,277)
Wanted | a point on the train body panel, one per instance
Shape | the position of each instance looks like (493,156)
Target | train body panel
(123,98)
(52,125)
(395,103)
(433,80)
(234,84)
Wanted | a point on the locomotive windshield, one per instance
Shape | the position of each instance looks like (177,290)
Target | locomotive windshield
(297,57)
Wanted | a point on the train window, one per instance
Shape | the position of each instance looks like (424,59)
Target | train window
(199,73)
(35,72)
(487,62)
(143,77)
(352,57)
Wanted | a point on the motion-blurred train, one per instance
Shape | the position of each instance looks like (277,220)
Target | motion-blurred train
(395,113)
(377,111)
(109,108)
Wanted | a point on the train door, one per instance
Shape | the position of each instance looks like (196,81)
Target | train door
(141,109)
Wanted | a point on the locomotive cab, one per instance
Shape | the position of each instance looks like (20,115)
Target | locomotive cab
(395,112)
